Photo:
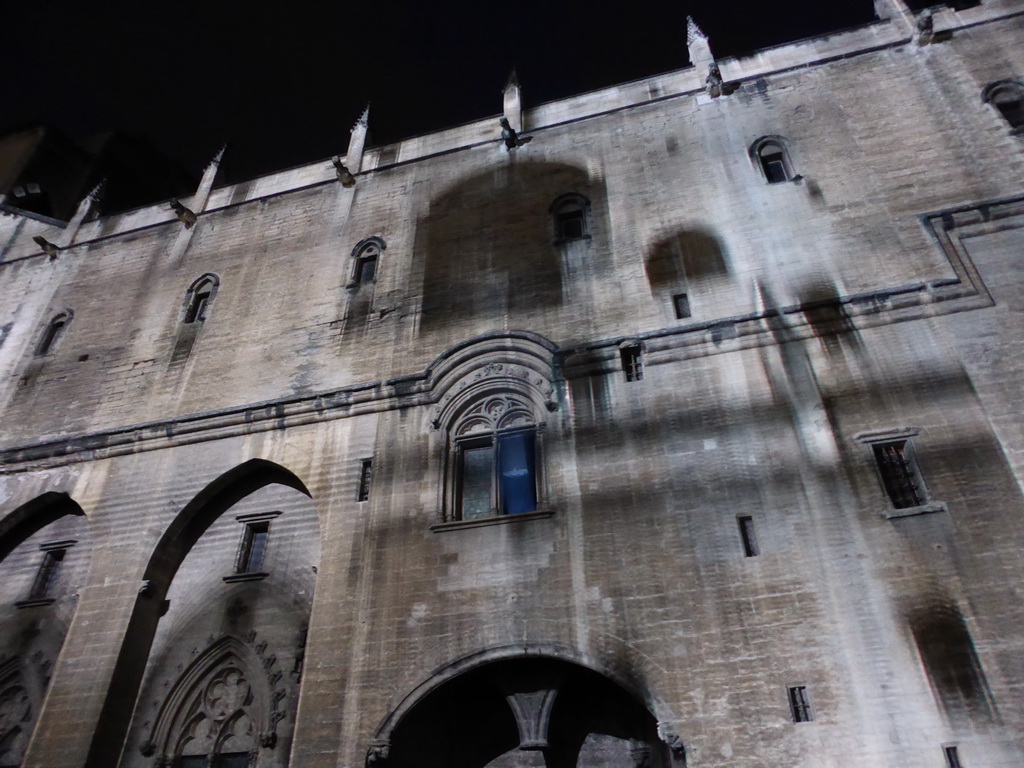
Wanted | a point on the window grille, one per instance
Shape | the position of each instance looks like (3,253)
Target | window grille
(365,477)
(898,469)
(800,704)
(632,362)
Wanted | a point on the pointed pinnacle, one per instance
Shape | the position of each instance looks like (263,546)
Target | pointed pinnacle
(693,32)
(513,80)
(364,118)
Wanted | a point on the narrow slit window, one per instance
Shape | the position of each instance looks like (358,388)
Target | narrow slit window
(952,756)
(54,332)
(365,478)
(800,704)
(681,304)
(747,535)
(254,547)
(632,362)
(900,476)
(199,298)
(46,576)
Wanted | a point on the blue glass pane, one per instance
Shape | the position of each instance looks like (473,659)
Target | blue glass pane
(517,484)
(477,476)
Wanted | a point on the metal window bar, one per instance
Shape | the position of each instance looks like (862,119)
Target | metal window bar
(365,478)
(898,474)
(632,363)
(800,704)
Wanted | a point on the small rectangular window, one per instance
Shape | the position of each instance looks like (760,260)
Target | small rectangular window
(365,476)
(681,303)
(800,704)
(952,756)
(253,548)
(775,168)
(46,576)
(366,269)
(750,548)
(898,468)
(632,362)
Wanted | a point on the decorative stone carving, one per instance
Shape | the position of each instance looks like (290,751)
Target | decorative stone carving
(378,753)
(532,711)
(495,373)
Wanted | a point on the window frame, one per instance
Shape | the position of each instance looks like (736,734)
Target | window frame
(631,357)
(779,158)
(990,95)
(492,439)
(801,708)
(367,251)
(365,483)
(199,298)
(53,333)
(564,207)
(48,574)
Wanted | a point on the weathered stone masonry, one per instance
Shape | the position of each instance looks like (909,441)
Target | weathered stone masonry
(353,474)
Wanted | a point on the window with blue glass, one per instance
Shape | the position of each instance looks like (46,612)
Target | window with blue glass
(497,474)
(493,460)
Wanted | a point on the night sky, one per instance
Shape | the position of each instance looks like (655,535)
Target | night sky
(283,82)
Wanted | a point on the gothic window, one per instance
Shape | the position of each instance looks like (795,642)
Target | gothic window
(217,714)
(365,261)
(200,296)
(15,714)
(569,215)
(494,447)
(1008,97)
(898,468)
(771,156)
(53,333)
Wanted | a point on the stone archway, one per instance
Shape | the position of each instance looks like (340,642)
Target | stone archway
(523,711)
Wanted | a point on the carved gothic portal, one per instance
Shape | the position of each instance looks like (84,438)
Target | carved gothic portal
(15,714)
(524,713)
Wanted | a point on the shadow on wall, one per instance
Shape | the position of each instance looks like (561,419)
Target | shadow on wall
(489,244)
(947,652)
(687,255)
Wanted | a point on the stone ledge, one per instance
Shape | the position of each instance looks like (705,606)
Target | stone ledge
(929,508)
(459,525)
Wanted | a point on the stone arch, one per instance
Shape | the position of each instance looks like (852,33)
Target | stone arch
(33,516)
(487,245)
(542,699)
(180,536)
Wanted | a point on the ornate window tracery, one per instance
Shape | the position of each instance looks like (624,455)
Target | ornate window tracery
(200,296)
(218,714)
(493,435)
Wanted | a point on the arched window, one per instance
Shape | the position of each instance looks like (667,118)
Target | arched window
(54,331)
(200,296)
(771,155)
(218,712)
(569,214)
(365,258)
(1008,97)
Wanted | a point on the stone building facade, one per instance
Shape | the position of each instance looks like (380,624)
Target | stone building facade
(677,425)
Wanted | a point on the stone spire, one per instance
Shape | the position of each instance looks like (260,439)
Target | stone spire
(206,184)
(512,103)
(698,45)
(85,207)
(357,142)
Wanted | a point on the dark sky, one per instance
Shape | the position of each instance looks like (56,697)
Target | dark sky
(283,82)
